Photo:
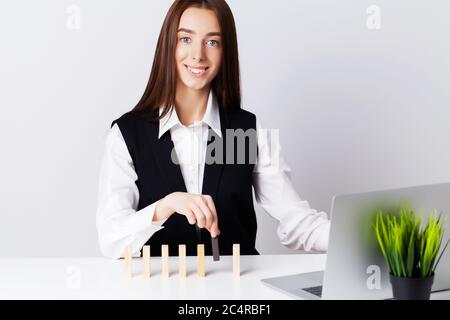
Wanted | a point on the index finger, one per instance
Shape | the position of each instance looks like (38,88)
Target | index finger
(212,208)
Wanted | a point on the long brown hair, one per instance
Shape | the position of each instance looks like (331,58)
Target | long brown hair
(161,88)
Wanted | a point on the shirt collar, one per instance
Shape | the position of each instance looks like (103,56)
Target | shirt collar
(211,118)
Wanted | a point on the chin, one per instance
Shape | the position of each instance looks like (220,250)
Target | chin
(195,86)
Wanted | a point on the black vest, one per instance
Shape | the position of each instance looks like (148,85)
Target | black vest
(230,185)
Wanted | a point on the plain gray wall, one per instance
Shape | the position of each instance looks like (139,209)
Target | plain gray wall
(358,109)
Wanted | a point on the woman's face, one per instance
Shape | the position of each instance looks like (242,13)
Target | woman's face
(199,48)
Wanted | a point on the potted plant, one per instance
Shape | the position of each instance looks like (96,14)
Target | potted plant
(410,250)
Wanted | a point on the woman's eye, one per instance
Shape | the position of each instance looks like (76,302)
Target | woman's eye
(185,39)
(214,43)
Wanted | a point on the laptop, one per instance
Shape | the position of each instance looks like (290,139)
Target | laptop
(355,268)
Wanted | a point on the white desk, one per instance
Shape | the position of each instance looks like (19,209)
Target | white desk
(99,278)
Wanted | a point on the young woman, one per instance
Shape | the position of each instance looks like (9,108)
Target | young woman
(156,186)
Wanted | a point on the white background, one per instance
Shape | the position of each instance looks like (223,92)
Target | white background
(357,109)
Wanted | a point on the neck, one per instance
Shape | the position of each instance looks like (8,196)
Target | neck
(191,104)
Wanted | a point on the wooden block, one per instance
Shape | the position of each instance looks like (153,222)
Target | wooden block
(182,260)
(146,261)
(201,259)
(215,248)
(236,260)
(128,257)
(165,260)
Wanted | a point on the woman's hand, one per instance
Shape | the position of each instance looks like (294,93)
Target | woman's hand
(198,209)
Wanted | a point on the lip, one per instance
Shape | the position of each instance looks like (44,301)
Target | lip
(197,75)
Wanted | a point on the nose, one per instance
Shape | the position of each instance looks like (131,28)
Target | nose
(197,51)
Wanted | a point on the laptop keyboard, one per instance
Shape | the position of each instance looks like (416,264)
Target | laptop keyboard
(317,291)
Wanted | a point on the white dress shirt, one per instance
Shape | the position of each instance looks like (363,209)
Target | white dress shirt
(120,224)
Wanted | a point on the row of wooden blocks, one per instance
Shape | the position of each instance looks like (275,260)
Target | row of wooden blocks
(181,261)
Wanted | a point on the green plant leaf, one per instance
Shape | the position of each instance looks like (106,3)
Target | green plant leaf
(408,249)
(410,258)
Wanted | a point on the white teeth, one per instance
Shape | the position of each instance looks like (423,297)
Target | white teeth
(196,71)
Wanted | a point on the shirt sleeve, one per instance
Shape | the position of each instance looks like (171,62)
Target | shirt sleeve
(300,226)
(119,224)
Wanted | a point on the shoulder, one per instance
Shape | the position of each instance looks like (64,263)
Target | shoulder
(131,119)
(243,113)
(124,119)
(242,117)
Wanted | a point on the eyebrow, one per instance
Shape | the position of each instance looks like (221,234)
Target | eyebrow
(193,32)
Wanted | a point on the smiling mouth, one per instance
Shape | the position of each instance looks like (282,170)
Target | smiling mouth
(196,71)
